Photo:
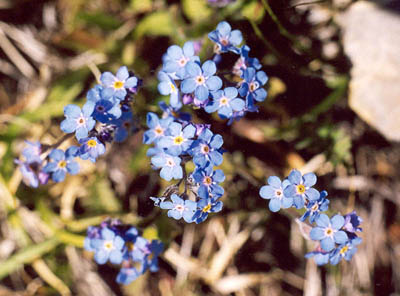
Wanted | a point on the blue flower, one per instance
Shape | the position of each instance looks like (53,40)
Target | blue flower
(352,223)
(245,61)
(179,140)
(106,111)
(117,85)
(208,181)
(176,59)
(127,275)
(301,188)
(320,256)
(123,126)
(169,164)
(77,120)
(225,101)
(108,247)
(166,87)
(152,252)
(206,149)
(201,80)
(179,208)
(91,148)
(206,206)
(31,167)
(345,250)
(275,192)
(158,128)
(175,113)
(251,87)
(62,163)
(315,207)
(225,38)
(328,231)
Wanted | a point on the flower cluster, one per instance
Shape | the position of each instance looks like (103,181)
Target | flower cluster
(105,116)
(122,245)
(178,141)
(336,237)
(188,81)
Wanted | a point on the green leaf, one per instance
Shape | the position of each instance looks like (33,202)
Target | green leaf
(100,19)
(26,255)
(196,10)
(254,11)
(139,6)
(158,23)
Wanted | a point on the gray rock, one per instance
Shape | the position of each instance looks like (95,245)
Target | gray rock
(371,39)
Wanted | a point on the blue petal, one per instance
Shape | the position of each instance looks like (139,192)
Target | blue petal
(115,257)
(237,104)
(201,93)
(295,177)
(340,237)
(166,205)
(317,233)
(188,86)
(236,37)
(274,205)
(166,173)
(216,158)
(131,82)
(262,77)
(122,73)
(224,28)
(267,192)
(327,244)
(175,52)
(337,221)
(216,141)
(189,131)
(275,182)
(107,79)
(209,68)
(101,256)
(57,155)
(152,120)
(310,179)
(188,49)
(59,175)
(73,167)
(214,83)
(68,125)
(312,194)
(175,214)
(323,221)
(107,234)
(193,69)
(72,111)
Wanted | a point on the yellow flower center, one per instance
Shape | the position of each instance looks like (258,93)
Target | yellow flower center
(253,86)
(343,250)
(130,246)
(205,149)
(200,79)
(178,140)
(328,231)
(118,84)
(62,164)
(207,180)
(92,143)
(158,130)
(108,245)
(223,101)
(224,41)
(314,207)
(206,208)
(300,189)
(173,88)
(278,193)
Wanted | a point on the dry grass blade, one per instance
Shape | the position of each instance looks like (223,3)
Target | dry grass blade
(13,54)
(221,259)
